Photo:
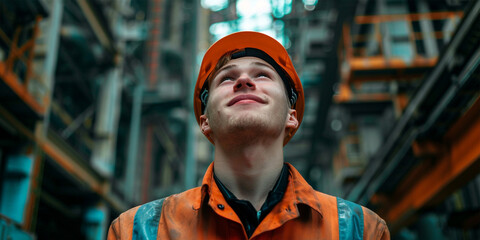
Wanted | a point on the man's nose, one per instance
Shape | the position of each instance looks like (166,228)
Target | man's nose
(244,82)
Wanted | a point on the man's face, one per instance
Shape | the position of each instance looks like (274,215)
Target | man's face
(247,96)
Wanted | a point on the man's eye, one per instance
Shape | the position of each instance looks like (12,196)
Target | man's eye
(226,78)
(261,75)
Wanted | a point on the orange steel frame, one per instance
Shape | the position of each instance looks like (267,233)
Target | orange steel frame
(25,53)
(154,43)
(36,182)
(450,164)
(75,169)
(17,53)
(380,62)
(80,173)
(60,157)
(7,74)
(411,16)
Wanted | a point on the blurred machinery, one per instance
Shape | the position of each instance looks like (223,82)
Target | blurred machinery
(95,108)
(404,120)
(396,94)
(70,74)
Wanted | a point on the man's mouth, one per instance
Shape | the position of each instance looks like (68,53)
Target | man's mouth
(246,98)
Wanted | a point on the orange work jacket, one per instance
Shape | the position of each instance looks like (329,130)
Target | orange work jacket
(203,213)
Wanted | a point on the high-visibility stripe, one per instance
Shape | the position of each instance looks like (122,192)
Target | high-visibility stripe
(350,220)
(145,223)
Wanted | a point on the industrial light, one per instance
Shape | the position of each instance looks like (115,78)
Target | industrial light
(215,5)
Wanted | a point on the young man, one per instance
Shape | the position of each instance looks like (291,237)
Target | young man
(249,102)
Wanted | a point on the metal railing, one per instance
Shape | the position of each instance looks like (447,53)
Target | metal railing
(372,50)
(17,69)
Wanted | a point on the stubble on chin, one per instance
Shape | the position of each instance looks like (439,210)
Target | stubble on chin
(247,125)
(247,122)
(250,126)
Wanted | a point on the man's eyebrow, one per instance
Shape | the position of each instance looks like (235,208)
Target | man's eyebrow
(262,65)
(235,66)
(226,68)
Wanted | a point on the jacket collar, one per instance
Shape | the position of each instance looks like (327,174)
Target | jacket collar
(301,192)
(298,191)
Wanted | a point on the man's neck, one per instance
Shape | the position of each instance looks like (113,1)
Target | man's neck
(250,170)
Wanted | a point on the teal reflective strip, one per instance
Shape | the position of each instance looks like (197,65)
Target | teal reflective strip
(350,220)
(145,223)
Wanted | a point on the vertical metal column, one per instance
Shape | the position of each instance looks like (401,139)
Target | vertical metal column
(15,186)
(153,65)
(96,223)
(53,37)
(133,159)
(35,185)
(107,122)
(51,33)
(426,25)
(190,161)
(430,227)
(147,162)
(153,44)
(109,105)
(384,31)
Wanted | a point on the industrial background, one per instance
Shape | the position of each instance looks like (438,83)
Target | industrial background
(96,107)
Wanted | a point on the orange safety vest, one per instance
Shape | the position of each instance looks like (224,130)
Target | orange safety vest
(203,213)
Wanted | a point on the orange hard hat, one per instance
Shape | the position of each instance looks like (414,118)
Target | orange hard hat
(257,45)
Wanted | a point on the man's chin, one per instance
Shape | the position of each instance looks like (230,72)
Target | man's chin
(249,120)
(253,126)
(248,125)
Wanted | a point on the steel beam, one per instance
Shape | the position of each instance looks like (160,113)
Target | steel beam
(426,25)
(412,17)
(147,164)
(379,63)
(50,64)
(455,166)
(81,173)
(343,9)
(107,120)
(133,141)
(33,198)
(75,124)
(363,190)
(12,81)
(97,28)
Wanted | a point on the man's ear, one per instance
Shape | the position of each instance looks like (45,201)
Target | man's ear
(205,126)
(292,121)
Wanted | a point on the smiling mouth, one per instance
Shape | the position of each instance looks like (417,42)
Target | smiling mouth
(245,99)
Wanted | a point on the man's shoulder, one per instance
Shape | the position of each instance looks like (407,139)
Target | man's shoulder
(190,195)
(148,214)
(352,215)
(375,226)
(338,202)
